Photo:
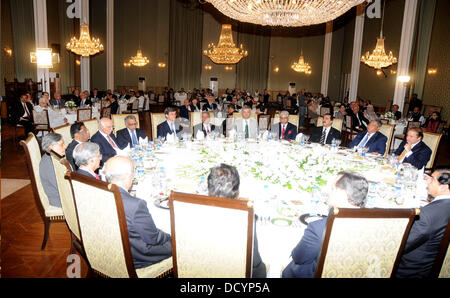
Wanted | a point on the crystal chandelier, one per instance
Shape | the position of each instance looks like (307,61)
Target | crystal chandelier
(139,60)
(85,46)
(226,51)
(379,59)
(301,66)
(289,13)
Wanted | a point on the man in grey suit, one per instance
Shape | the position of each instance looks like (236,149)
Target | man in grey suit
(205,126)
(247,126)
(51,142)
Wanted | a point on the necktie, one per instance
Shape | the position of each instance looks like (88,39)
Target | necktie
(402,156)
(173,128)
(283,131)
(364,141)
(207,128)
(97,176)
(111,142)
(26,110)
(322,138)
(133,138)
(246,130)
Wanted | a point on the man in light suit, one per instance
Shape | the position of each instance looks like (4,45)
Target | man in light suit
(205,126)
(428,229)
(248,126)
(284,129)
(348,191)
(414,151)
(131,134)
(87,157)
(372,138)
(80,134)
(105,138)
(149,245)
(170,126)
(326,133)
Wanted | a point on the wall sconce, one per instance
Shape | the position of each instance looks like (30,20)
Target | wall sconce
(126,64)
(228,68)
(208,67)
(161,64)
(393,72)
(379,72)
(78,62)
(277,69)
(8,51)
(404,79)
(43,58)
(432,71)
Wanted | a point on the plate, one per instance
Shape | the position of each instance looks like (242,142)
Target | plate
(282,222)
(162,203)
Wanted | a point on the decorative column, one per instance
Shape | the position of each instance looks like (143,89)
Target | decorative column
(110,44)
(356,58)
(41,36)
(404,57)
(85,62)
(327,59)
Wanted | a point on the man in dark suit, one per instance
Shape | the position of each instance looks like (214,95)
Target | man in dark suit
(205,126)
(210,105)
(23,113)
(114,105)
(76,97)
(397,114)
(326,133)
(87,157)
(349,191)
(371,138)
(169,126)
(131,134)
(415,103)
(85,102)
(149,245)
(284,129)
(57,101)
(414,151)
(106,139)
(360,122)
(428,229)
(186,108)
(80,134)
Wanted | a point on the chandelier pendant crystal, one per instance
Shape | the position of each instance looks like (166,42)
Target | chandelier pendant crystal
(301,66)
(288,13)
(226,51)
(85,46)
(139,60)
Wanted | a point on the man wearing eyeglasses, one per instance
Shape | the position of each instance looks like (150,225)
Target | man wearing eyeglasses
(131,134)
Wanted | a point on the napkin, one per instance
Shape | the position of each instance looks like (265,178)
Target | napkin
(200,135)
(265,135)
(171,138)
(299,138)
(143,141)
(232,133)
(124,152)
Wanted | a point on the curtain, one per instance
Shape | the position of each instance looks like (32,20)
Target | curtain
(185,46)
(252,71)
(67,58)
(22,16)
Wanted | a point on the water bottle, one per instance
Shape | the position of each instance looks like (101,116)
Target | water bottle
(140,168)
(202,187)
(371,195)
(315,198)
(333,145)
(162,182)
(269,136)
(398,187)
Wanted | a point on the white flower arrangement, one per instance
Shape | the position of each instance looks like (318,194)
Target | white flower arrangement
(70,104)
(338,105)
(388,115)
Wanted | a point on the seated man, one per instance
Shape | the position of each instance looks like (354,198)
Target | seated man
(326,133)
(185,109)
(372,138)
(205,126)
(55,119)
(105,138)
(248,126)
(55,142)
(414,151)
(427,231)
(223,182)
(58,101)
(169,126)
(80,134)
(416,116)
(85,102)
(210,105)
(358,119)
(284,129)
(397,114)
(131,134)
(22,113)
(87,157)
(348,191)
(148,244)
(114,105)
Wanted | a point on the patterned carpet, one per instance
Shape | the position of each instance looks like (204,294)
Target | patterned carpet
(10,186)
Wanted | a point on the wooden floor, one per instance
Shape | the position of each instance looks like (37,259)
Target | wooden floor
(22,229)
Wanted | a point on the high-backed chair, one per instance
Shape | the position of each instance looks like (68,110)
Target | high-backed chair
(91,125)
(237,116)
(349,133)
(264,122)
(156,119)
(388,131)
(105,112)
(41,121)
(432,140)
(364,242)
(294,119)
(65,132)
(135,106)
(48,213)
(104,232)
(222,243)
(119,121)
(441,266)
(410,124)
(195,118)
(84,114)
(337,123)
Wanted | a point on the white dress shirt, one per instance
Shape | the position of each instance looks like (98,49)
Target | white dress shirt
(369,136)
(442,197)
(171,126)
(207,127)
(327,131)
(410,152)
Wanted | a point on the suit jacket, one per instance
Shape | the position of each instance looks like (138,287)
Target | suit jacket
(69,154)
(85,173)
(184,112)
(76,100)
(253,129)
(209,107)
(163,129)
(124,138)
(19,111)
(53,102)
(48,178)
(202,128)
(291,131)
(424,239)
(149,245)
(87,103)
(420,157)
(305,255)
(316,135)
(106,150)
(363,120)
(398,115)
(114,107)
(377,142)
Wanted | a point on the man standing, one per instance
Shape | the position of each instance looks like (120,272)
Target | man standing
(326,133)
(415,103)
(80,134)
(169,126)
(248,126)
(205,126)
(372,138)
(131,134)
(284,129)
(106,140)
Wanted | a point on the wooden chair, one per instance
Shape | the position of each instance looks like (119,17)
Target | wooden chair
(411,124)
(237,116)
(349,133)
(92,126)
(388,131)
(65,132)
(105,113)
(135,106)
(441,266)
(84,114)
(119,121)
(104,232)
(221,246)
(432,140)
(47,212)
(41,122)
(156,119)
(18,130)
(364,242)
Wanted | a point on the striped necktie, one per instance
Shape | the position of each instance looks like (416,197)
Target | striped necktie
(322,138)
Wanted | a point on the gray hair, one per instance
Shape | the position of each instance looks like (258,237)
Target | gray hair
(284,113)
(356,187)
(49,140)
(223,182)
(130,117)
(84,152)
(42,99)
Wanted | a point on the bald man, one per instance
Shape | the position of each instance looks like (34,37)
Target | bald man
(149,245)
(106,140)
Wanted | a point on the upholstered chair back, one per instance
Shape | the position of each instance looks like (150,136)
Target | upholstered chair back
(337,123)
(156,119)
(41,120)
(92,126)
(388,131)
(432,140)
(294,119)
(65,132)
(84,114)
(195,118)
(119,121)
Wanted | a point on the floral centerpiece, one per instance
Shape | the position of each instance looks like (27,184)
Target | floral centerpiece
(70,104)
(389,115)
(337,105)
